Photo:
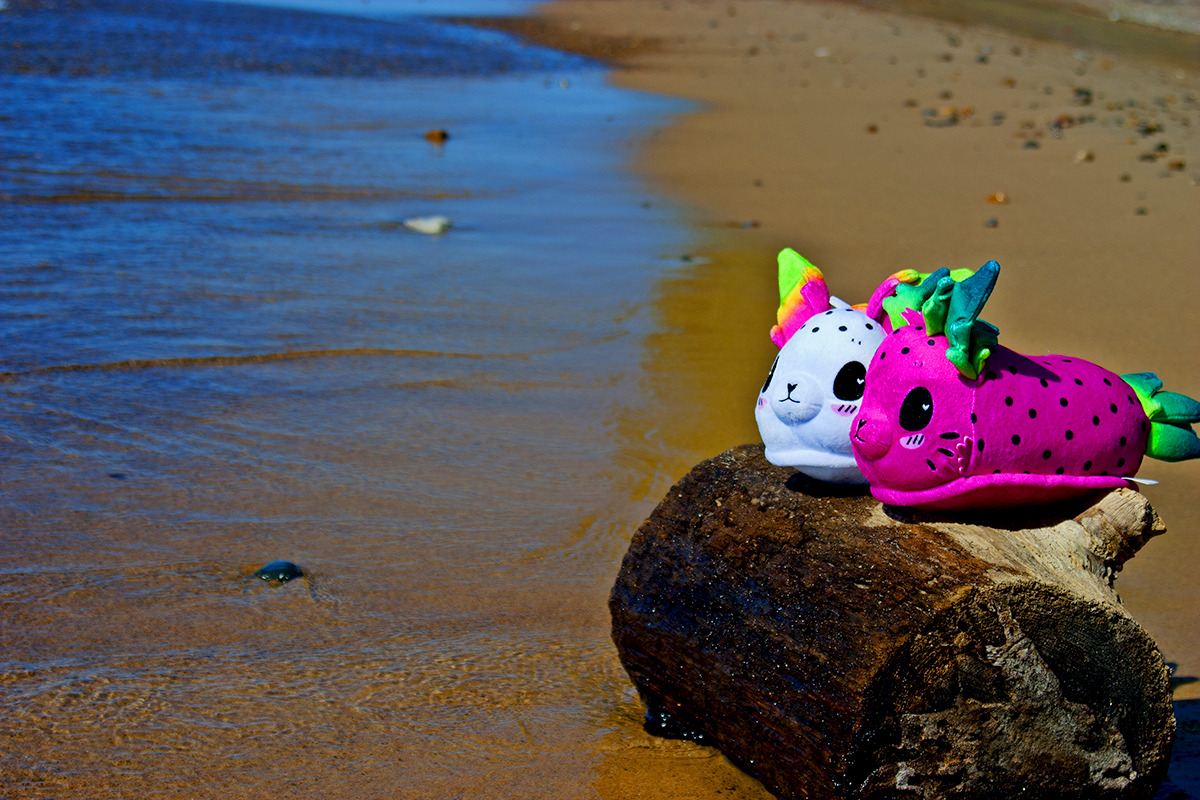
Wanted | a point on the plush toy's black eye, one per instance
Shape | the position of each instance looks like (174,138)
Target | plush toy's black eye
(917,409)
(850,381)
(770,375)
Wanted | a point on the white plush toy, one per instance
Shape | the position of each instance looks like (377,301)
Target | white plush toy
(816,384)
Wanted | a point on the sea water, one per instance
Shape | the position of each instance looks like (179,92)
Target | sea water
(222,348)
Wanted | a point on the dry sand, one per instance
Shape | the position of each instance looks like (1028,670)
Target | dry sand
(873,142)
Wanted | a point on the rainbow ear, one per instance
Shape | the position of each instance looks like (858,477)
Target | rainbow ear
(803,293)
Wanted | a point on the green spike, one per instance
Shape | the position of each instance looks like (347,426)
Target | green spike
(1169,442)
(1160,406)
(1145,385)
(1177,408)
(906,297)
(935,308)
(957,313)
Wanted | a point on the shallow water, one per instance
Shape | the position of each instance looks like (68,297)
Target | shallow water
(222,348)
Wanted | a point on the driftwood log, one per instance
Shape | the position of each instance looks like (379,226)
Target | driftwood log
(838,648)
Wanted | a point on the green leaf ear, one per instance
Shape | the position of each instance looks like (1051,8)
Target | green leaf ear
(954,309)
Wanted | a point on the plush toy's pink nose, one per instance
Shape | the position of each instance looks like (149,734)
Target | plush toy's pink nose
(871,436)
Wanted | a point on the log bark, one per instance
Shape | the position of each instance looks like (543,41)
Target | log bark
(838,648)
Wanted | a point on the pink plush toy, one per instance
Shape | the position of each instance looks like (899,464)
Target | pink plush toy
(951,420)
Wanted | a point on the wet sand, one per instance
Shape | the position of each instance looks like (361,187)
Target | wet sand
(873,142)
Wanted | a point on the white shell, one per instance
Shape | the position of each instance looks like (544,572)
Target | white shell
(430,225)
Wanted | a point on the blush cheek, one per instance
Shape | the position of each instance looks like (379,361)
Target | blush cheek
(912,441)
(844,409)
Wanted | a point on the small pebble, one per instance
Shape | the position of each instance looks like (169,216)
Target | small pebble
(1032,144)
(999,199)
(278,572)
(1142,211)
(1084,157)
(940,118)
(437,136)
(991,222)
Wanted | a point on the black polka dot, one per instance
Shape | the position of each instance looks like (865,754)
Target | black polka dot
(1130,399)
(1120,462)
(1070,434)
(995,472)
(870,327)
(1145,424)
(979,444)
(1087,465)
(950,435)
(1046,455)
(1062,401)
(1096,421)
(931,343)
(1078,382)
(1044,383)
(904,351)
(1016,439)
(1033,413)
(841,327)
(1066,361)
(991,375)
(1008,401)
(814,330)
(1107,382)
(1060,471)
(1123,441)
(883,353)
(974,419)
(1012,370)
(1112,407)
(827,313)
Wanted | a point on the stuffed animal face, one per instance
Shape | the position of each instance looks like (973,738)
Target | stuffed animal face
(1024,431)
(813,391)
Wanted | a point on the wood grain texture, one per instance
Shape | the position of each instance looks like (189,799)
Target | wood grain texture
(835,647)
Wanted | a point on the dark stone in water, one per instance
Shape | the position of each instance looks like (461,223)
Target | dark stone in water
(279,572)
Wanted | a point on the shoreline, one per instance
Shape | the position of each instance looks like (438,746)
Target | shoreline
(1161,34)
